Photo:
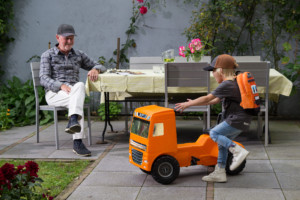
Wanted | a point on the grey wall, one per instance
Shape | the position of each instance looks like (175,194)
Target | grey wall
(98,24)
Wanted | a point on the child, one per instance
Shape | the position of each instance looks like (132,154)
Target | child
(235,118)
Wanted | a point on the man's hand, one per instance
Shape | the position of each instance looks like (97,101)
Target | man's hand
(65,88)
(93,74)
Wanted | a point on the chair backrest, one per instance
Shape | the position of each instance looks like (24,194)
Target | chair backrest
(260,71)
(148,62)
(35,71)
(247,58)
(186,75)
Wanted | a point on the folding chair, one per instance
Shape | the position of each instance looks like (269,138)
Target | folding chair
(187,75)
(260,71)
(35,70)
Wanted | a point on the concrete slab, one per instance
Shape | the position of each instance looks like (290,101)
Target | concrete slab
(247,194)
(283,152)
(289,180)
(256,149)
(291,194)
(115,179)
(258,166)
(251,180)
(23,150)
(286,166)
(104,192)
(174,193)
(188,177)
(114,162)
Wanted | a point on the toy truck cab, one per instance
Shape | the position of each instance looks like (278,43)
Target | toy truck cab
(152,133)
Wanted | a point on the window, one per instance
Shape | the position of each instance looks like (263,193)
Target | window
(158,129)
(140,127)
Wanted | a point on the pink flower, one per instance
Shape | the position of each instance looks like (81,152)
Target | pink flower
(140,1)
(181,51)
(143,10)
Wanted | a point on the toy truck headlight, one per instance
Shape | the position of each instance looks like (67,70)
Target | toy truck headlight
(138,145)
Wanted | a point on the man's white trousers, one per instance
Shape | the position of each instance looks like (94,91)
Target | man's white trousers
(74,101)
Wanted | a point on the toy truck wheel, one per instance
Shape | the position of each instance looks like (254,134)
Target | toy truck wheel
(147,172)
(238,169)
(165,170)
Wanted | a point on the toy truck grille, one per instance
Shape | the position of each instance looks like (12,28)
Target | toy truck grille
(137,156)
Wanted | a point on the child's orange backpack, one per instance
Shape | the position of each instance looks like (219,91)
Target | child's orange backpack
(249,94)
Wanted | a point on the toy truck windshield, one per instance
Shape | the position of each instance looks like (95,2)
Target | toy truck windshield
(140,127)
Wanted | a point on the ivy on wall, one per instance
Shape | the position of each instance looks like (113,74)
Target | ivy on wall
(6,16)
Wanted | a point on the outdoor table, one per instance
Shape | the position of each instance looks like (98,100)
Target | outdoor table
(126,83)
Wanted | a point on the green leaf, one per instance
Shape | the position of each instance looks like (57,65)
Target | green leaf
(287,46)
(285,60)
(29,100)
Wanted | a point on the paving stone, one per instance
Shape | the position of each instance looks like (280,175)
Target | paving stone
(174,193)
(287,166)
(283,152)
(104,192)
(23,150)
(115,179)
(247,194)
(258,166)
(113,162)
(257,151)
(250,180)
(188,177)
(289,180)
(291,194)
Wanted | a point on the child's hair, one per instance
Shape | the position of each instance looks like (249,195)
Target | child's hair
(228,72)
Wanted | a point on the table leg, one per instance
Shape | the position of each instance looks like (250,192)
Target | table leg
(107,113)
(107,120)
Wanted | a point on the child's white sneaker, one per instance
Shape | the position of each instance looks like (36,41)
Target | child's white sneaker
(219,175)
(239,155)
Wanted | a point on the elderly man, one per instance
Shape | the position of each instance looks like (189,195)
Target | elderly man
(59,74)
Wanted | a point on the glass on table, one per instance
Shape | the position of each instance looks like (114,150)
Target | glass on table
(168,56)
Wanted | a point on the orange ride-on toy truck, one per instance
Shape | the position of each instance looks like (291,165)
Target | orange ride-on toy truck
(153,146)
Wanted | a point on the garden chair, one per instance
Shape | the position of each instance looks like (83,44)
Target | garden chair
(187,75)
(35,70)
(260,71)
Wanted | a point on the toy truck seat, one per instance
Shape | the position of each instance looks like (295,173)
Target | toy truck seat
(204,151)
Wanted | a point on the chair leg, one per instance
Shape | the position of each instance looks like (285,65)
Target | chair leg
(208,118)
(204,121)
(37,121)
(56,128)
(266,128)
(126,117)
(89,126)
(259,125)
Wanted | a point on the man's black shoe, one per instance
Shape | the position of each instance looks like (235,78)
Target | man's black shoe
(80,149)
(73,125)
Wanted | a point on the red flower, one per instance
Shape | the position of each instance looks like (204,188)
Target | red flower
(2,178)
(32,168)
(141,1)
(143,10)
(20,169)
(8,171)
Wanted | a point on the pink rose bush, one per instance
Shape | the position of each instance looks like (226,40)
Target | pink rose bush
(195,49)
